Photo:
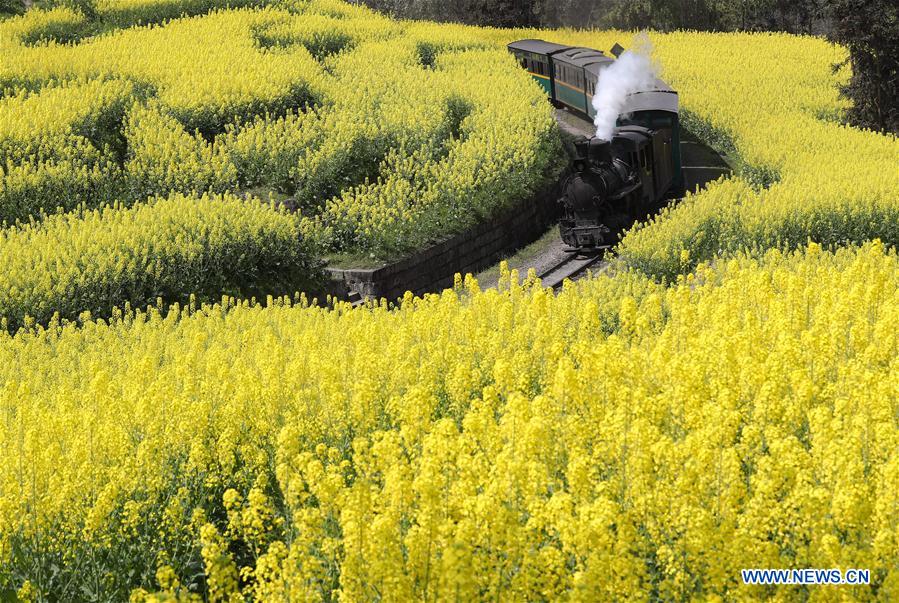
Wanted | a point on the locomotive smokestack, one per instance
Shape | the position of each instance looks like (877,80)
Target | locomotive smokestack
(600,150)
(592,150)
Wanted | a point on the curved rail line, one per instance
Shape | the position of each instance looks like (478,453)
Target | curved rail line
(571,268)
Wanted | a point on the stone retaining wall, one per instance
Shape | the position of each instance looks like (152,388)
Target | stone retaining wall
(432,269)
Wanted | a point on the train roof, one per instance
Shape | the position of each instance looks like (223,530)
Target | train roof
(660,96)
(537,46)
(661,99)
(583,57)
(594,61)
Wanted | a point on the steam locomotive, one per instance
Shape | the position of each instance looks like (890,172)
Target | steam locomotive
(609,182)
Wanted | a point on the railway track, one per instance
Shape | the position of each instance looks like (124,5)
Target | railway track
(571,267)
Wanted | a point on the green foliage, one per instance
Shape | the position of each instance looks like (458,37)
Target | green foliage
(11,7)
(870,30)
(88,8)
(804,16)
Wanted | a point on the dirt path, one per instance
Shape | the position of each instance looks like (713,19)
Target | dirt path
(574,125)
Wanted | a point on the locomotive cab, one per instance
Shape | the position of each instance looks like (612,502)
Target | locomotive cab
(649,153)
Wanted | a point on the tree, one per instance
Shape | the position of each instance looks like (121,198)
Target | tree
(86,7)
(870,30)
(11,7)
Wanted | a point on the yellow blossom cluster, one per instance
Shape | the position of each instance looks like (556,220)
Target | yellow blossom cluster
(430,169)
(54,146)
(619,440)
(41,124)
(163,157)
(127,13)
(167,248)
(207,70)
(57,24)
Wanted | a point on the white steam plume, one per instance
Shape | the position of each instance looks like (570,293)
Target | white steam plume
(632,72)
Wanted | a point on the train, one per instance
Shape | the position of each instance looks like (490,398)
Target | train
(609,183)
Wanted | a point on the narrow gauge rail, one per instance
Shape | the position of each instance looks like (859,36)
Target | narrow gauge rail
(571,267)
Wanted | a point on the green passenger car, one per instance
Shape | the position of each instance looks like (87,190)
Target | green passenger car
(569,75)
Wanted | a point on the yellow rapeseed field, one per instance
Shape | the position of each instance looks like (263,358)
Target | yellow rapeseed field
(165,248)
(619,440)
(379,160)
(724,397)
